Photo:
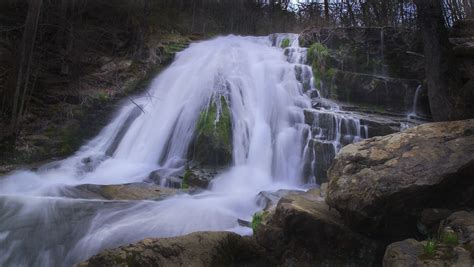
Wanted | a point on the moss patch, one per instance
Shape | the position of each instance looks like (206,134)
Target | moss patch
(257,220)
(285,43)
(186,177)
(213,143)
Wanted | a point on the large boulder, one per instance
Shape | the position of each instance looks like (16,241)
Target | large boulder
(196,249)
(453,247)
(302,230)
(381,185)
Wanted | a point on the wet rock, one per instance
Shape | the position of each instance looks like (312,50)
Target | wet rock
(133,191)
(303,230)
(381,185)
(269,199)
(166,178)
(201,176)
(196,249)
(380,127)
(390,93)
(453,247)
(213,143)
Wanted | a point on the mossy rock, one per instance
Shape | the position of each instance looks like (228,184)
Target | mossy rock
(213,143)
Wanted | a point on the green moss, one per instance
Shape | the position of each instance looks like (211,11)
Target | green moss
(257,220)
(219,127)
(213,143)
(186,177)
(285,43)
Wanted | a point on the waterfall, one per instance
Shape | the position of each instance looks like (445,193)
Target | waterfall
(44,222)
(413,112)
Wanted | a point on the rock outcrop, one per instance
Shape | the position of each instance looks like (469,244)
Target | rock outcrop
(302,230)
(196,249)
(212,145)
(390,93)
(453,247)
(381,185)
(381,67)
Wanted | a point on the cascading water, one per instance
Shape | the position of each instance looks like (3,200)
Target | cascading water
(45,222)
(413,112)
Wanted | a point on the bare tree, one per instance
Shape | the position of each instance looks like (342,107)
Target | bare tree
(25,58)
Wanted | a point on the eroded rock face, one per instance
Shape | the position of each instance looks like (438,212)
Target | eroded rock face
(390,93)
(196,249)
(302,230)
(381,185)
(453,251)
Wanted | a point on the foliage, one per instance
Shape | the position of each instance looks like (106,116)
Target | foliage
(318,52)
(430,247)
(217,122)
(450,238)
(186,177)
(257,220)
(285,43)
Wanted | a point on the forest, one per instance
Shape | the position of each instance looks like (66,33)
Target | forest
(236,132)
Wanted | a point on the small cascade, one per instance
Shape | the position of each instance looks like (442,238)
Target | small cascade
(414,108)
(330,131)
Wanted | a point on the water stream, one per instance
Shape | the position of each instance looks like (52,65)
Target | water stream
(45,223)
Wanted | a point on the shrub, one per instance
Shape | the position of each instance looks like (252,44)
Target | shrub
(450,238)
(429,248)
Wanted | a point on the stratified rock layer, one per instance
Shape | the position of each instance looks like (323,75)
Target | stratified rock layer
(380,185)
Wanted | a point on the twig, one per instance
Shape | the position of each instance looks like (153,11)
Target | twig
(135,103)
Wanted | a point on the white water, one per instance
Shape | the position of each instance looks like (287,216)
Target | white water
(42,225)
(414,108)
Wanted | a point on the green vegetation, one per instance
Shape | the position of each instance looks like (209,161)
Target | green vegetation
(318,57)
(219,126)
(430,247)
(450,238)
(102,96)
(187,175)
(285,43)
(257,219)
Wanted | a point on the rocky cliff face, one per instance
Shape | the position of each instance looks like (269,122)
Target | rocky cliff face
(369,66)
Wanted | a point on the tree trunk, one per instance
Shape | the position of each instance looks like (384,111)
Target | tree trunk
(326,10)
(24,62)
(439,67)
